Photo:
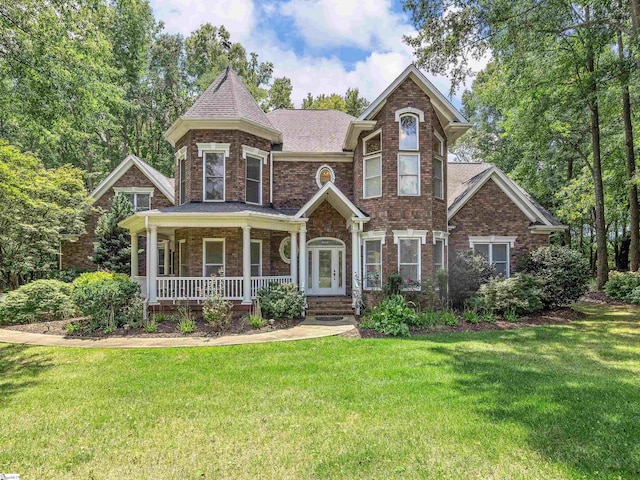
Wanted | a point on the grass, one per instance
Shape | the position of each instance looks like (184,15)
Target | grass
(548,402)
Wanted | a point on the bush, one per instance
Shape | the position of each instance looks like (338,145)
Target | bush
(281,301)
(217,311)
(471,316)
(105,302)
(94,277)
(466,273)
(427,318)
(519,293)
(563,274)
(392,317)
(67,275)
(449,318)
(256,321)
(622,284)
(38,301)
(186,325)
(134,312)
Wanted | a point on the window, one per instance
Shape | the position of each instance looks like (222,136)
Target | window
(372,263)
(408,174)
(325,174)
(438,256)
(214,169)
(372,143)
(408,132)
(438,144)
(256,258)
(285,250)
(372,177)
(140,201)
(496,254)
(438,190)
(183,182)
(162,251)
(253,192)
(409,260)
(213,264)
(183,258)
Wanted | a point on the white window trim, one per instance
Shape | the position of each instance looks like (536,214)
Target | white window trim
(490,251)
(213,147)
(372,236)
(435,245)
(407,153)
(281,250)
(364,177)
(417,132)
(181,246)
(181,154)
(162,246)
(136,191)
(441,179)
(246,167)
(204,255)
(410,233)
(254,152)
(323,167)
(259,242)
(440,235)
(364,142)
(182,192)
(439,154)
(492,239)
(204,172)
(409,110)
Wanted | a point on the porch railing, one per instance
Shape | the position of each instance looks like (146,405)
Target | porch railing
(199,288)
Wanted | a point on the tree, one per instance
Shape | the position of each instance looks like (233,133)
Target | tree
(351,103)
(38,208)
(280,94)
(113,250)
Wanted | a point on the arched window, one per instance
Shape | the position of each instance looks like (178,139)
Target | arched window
(408,138)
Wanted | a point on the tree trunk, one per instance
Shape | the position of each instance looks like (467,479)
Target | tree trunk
(635,23)
(602,271)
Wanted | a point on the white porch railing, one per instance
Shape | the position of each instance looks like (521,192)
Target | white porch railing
(199,288)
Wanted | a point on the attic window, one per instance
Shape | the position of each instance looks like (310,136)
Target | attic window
(372,143)
(325,174)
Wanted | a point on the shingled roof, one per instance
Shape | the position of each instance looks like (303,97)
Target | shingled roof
(227,97)
(311,130)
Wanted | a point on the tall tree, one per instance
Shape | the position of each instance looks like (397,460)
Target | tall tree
(113,250)
(351,102)
(280,94)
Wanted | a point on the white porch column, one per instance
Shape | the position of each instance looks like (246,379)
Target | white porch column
(294,257)
(152,266)
(246,264)
(134,255)
(355,261)
(303,259)
(166,257)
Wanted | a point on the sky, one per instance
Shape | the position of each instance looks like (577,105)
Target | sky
(323,46)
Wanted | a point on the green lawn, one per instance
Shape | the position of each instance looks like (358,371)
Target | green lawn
(546,402)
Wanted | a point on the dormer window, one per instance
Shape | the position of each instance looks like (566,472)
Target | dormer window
(372,143)
(408,138)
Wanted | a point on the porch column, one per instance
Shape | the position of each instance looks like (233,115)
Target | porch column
(152,266)
(303,258)
(294,257)
(166,257)
(134,255)
(355,262)
(246,264)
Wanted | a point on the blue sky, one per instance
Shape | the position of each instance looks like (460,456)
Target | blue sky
(324,46)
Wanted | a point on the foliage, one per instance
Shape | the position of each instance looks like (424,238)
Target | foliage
(427,318)
(256,321)
(38,207)
(467,272)
(186,325)
(280,94)
(510,315)
(519,293)
(67,275)
(426,297)
(392,317)
(217,311)
(449,318)
(89,278)
(73,327)
(563,274)
(159,317)
(106,302)
(621,285)
(150,325)
(133,313)
(489,317)
(392,285)
(112,250)
(351,103)
(471,316)
(38,301)
(281,301)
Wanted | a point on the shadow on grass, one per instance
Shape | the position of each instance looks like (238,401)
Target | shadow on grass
(20,366)
(575,390)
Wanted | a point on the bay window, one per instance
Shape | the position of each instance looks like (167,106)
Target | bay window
(256,258)
(372,178)
(213,257)
(408,174)
(409,265)
(214,173)
(373,263)
(408,139)
(253,180)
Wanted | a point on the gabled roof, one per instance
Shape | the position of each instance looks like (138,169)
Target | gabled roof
(336,198)
(164,184)
(311,130)
(452,120)
(465,179)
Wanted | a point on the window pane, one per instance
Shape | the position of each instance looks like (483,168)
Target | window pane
(255,258)
(501,268)
(499,252)
(408,165)
(374,251)
(253,191)
(373,144)
(132,198)
(309,269)
(213,271)
(325,176)
(437,146)
(373,277)
(482,249)
(255,270)
(372,167)
(437,179)
(253,168)
(408,250)
(142,201)
(408,185)
(215,188)
(214,164)
(408,133)
(409,273)
(214,253)
(438,253)
(373,187)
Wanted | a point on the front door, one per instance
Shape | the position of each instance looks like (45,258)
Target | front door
(326,267)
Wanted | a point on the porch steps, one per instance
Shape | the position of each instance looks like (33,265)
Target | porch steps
(329,306)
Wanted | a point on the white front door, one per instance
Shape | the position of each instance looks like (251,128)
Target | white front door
(326,268)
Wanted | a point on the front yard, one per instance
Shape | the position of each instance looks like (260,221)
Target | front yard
(546,402)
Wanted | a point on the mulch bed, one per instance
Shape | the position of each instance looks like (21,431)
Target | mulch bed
(601,298)
(168,328)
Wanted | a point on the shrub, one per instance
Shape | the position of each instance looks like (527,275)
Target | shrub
(471,316)
(73,327)
(94,277)
(186,325)
(106,302)
(150,325)
(519,293)
(38,301)
(256,322)
(281,301)
(67,275)
(134,312)
(392,317)
(511,315)
(159,317)
(449,318)
(427,318)
(489,317)
(217,311)
(634,296)
(466,273)
(563,274)
(392,285)
(622,284)
(426,298)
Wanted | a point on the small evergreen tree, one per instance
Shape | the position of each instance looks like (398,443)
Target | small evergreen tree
(113,250)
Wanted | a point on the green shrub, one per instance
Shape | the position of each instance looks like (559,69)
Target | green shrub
(38,301)
(466,273)
(67,275)
(471,316)
(134,312)
(449,318)
(73,327)
(150,325)
(634,296)
(427,318)
(425,298)
(217,311)
(106,302)
(186,325)
(281,301)
(159,317)
(510,315)
(489,317)
(392,317)
(256,321)
(563,274)
(94,277)
(622,284)
(392,285)
(519,293)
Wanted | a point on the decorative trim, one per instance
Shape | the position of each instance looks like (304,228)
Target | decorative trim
(324,191)
(375,235)
(281,250)
(183,124)
(256,152)
(491,239)
(410,233)
(409,110)
(213,148)
(333,175)
(439,235)
(181,154)
(143,190)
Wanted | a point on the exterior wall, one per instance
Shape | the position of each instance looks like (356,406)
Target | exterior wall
(392,212)
(491,212)
(235,165)
(76,254)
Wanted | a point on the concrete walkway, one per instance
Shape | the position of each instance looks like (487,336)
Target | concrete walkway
(310,328)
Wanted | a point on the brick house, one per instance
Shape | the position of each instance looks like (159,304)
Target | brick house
(330,202)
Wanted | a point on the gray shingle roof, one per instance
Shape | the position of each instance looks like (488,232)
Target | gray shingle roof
(227,97)
(225,207)
(311,130)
